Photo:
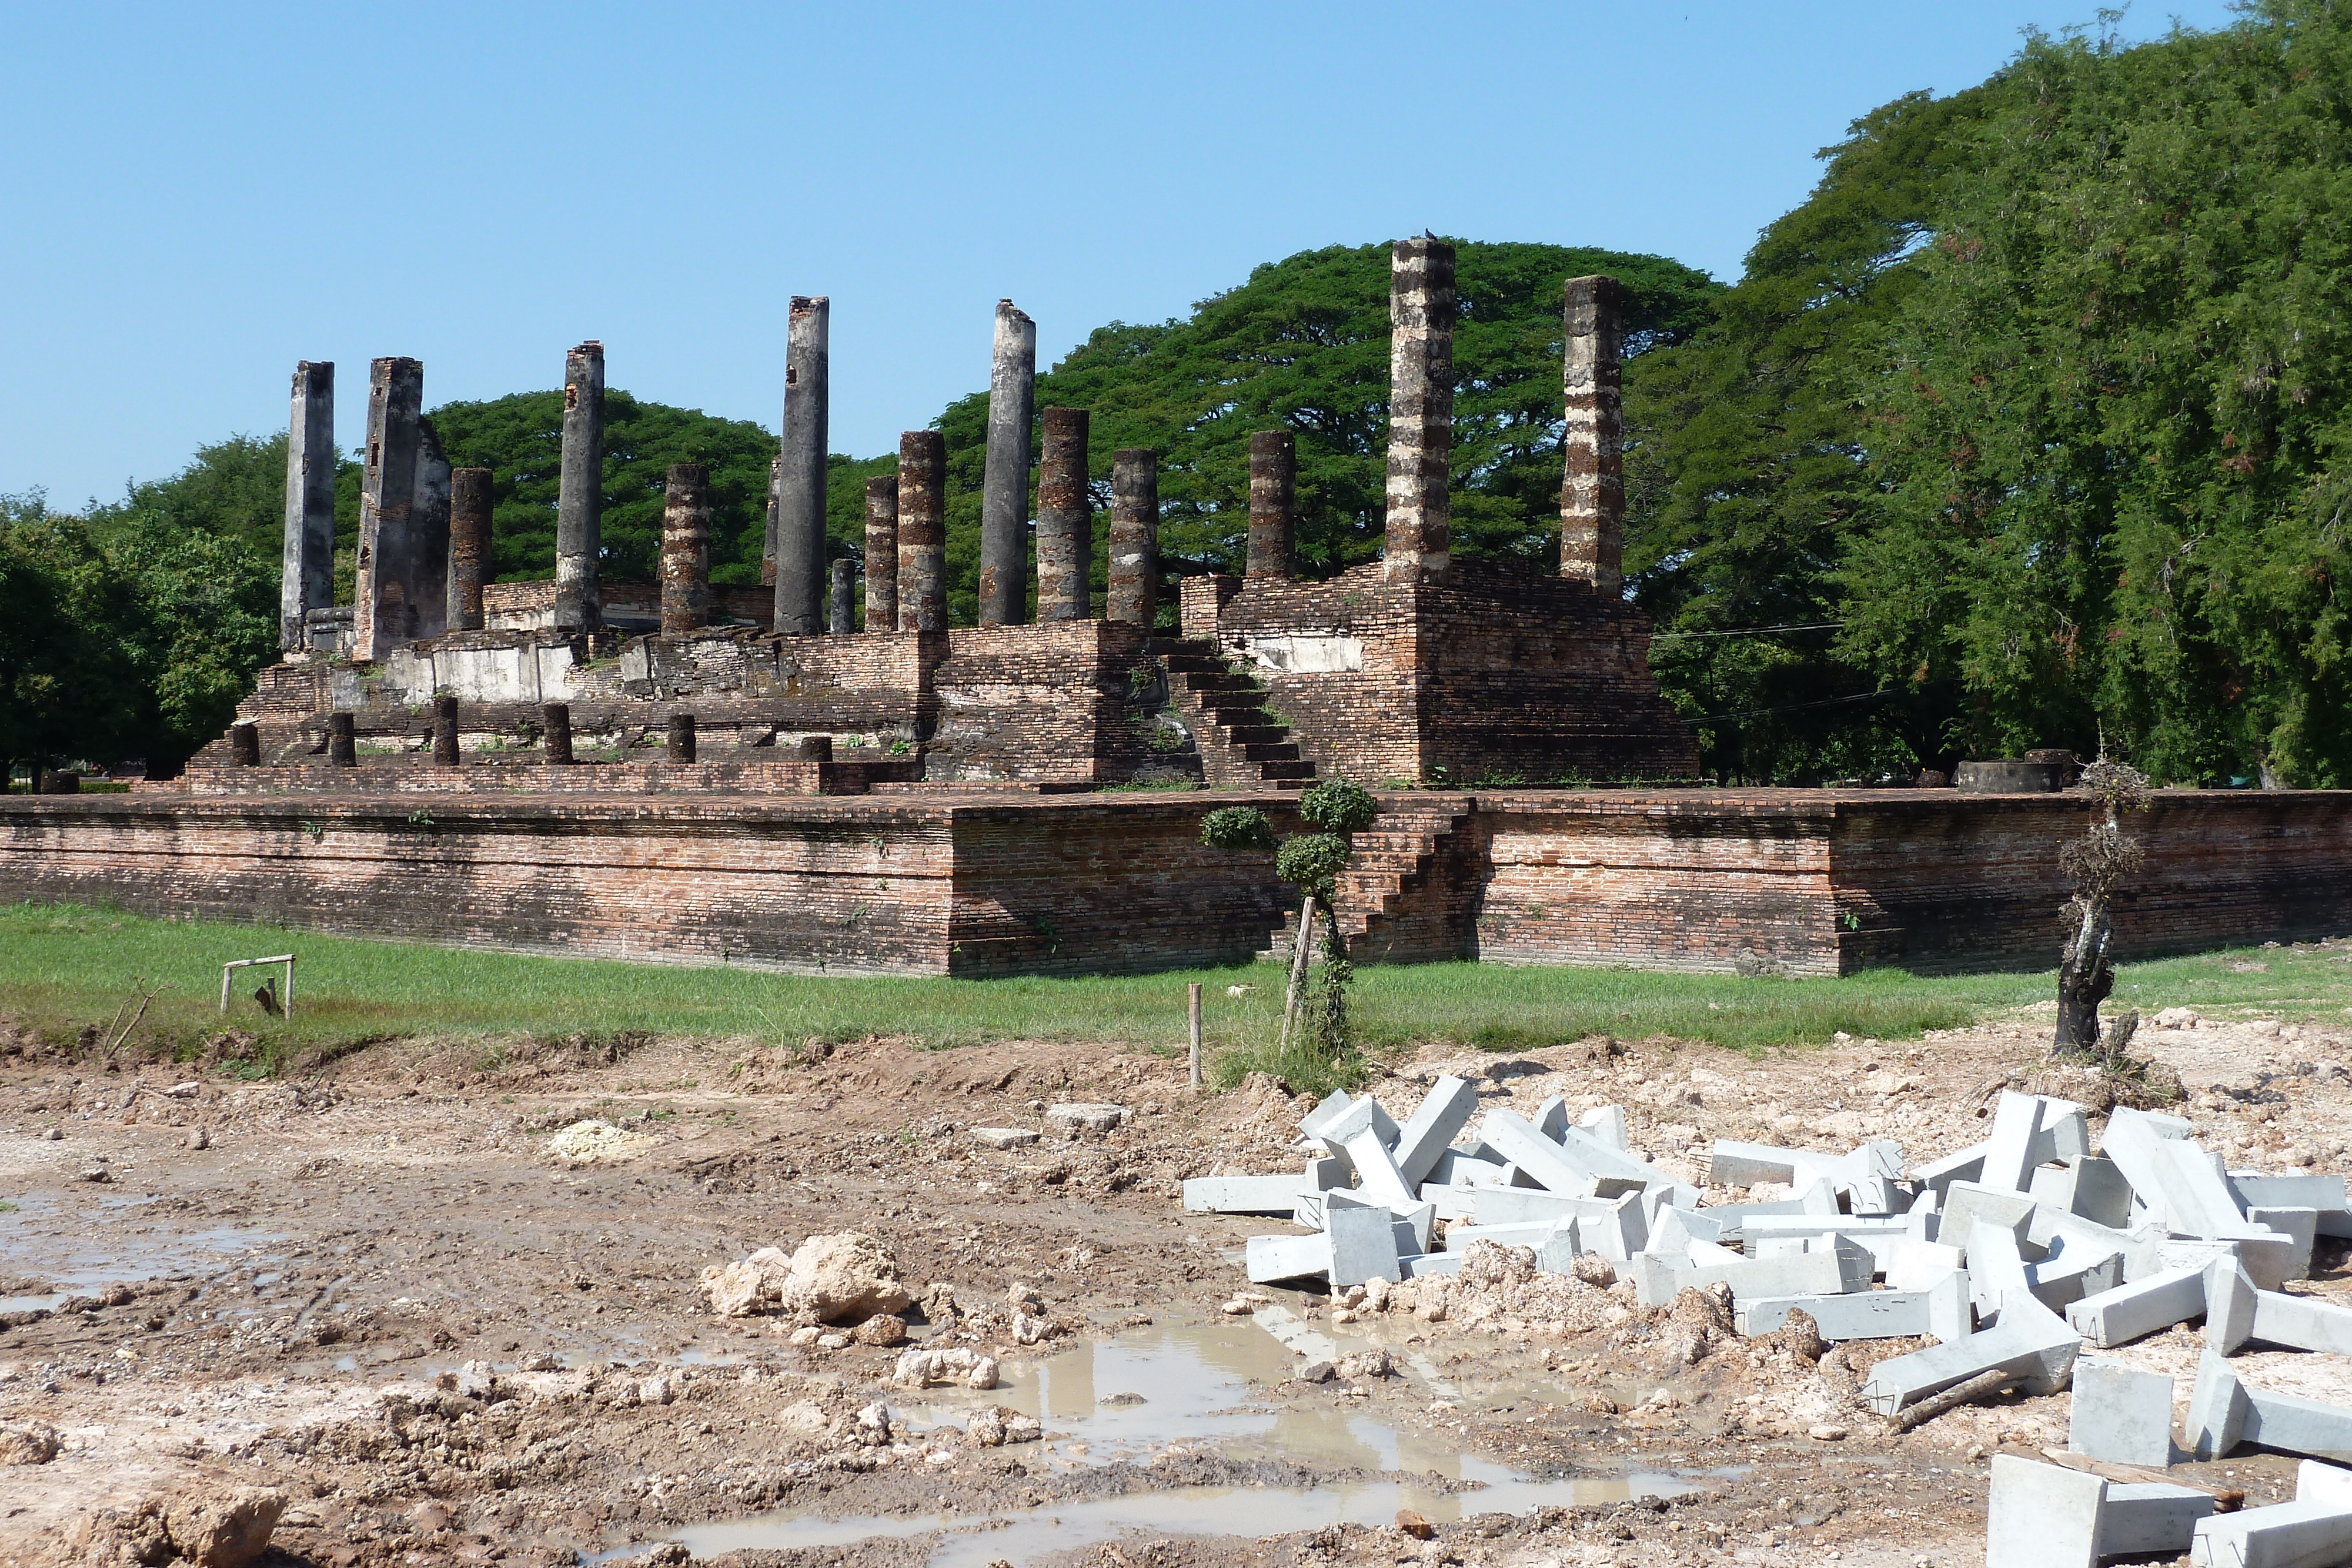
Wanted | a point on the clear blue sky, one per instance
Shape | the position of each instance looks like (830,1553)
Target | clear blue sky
(197,196)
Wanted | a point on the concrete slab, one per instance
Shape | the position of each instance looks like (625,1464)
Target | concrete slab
(1377,1176)
(1005,1137)
(1425,1139)
(2293,1426)
(1800,1274)
(2284,1535)
(2041,1516)
(1911,1264)
(1963,1165)
(1363,1246)
(2030,1340)
(2315,1482)
(1457,1167)
(1995,1268)
(2142,1518)
(2264,1257)
(1530,1233)
(1451,1202)
(1536,1156)
(2121,1415)
(1551,1118)
(2008,1152)
(1243,1194)
(1427,1263)
(1863,1314)
(2074,1270)
(1270,1258)
(1557,1254)
(1607,1124)
(1611,1227)
(2086,1186)
(1967,1206)
(2217,1409)
(2143,1307)
(2324,1192)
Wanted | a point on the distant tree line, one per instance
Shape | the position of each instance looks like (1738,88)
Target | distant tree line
(2029,427)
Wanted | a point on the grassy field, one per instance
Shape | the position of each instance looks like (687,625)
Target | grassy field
(64,967)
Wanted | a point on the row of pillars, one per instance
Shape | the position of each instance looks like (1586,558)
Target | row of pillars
(905,514)
(555,718)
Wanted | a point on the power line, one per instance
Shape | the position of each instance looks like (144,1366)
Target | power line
(1751,631)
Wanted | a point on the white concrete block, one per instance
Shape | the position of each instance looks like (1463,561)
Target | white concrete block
(2121,1415)
(1243,1194)
(2217,1409)
(2284,1535)
(2315,1482)
(1963,1165)
(2008,1152)
(1423,1140)
(2145,1518)
(1377,1176)
(2299,1224)
(1611,1227)
(2143,1307)
(1551,1118)
(1428,1263)
(1363,1246)
(1967,1206)
(2295,1426)
(1276,1257)
(1911,1264)
(2264,1257)
(1607,1124)
(1451,1202)
(2228,1306)
(1802,1274)
(1860,1314)
(2030,1340)
(1995,1268)
(1535,1155)
(1528,1233)
(2041,1516)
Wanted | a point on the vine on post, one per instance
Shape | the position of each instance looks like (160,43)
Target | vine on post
(1312,863)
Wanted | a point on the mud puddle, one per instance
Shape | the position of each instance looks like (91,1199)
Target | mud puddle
(1177,1386)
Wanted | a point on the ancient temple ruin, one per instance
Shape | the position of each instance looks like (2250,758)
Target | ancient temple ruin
(695,772)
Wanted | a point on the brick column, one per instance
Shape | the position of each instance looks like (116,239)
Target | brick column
(444,730)
(681,737)
(557,718)
(342,739)
(1274,484)
(922,531)
(1420,410)
(1593,446)
(841,606)
(307,579)
(469,546)
(579,494)
(768,549)
(800,488)
(882,553)
(1004,487)
(384,612)
(1065,520)
(686,549)
(1134,586)
(244,745)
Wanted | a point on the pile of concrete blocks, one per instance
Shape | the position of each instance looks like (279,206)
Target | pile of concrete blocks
(2050,1516)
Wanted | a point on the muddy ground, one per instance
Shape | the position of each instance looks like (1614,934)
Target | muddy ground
(377,1291)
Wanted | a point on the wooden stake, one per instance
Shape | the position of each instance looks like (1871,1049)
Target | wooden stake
(1192,1022)
(1299,949)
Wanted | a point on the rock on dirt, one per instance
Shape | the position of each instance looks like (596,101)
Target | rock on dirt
(1074,1119)
(846,1277)
(205,1527)
(919,1368)
(28,1442)
(1005,1137)
(596,1142)
(748,1286)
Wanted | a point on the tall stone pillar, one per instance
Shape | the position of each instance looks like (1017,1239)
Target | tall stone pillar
(579,494)
(469,546)
(686,549)
(1004,488)
(1065,520)
(1420,410)
(1592,446)
(384,614)
(1134,584)
(882,553)
(1274,487)
(922,531)
(768,549)
(428,534)
(799,477)
(841,604)
(308,580)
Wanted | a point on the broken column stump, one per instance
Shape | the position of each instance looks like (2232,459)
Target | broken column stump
(922,531)
(383,597)
(444,730)
(686,551)
(579,494)
(342,741)
(1418,540)
(1065,520)
(1004,486)
(681,737)
(882,553)
(1273,487)
(799,480)
(308,578)
(1134,536)
(841,611)
(555,718)
(244,745)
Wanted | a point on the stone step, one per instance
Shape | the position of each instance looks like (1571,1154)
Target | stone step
(1270,751)
(1281,772)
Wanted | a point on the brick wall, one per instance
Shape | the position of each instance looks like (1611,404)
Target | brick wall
(1068,700)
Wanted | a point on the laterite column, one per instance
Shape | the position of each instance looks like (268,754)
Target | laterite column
(686,549)
(383,610)
(799,480)
(307,580)
(1004,487)
(469,546)
(1134,536)
(1592,446)
(1274,484)
(922,531)
(1420,410)
(1065,520)
(882,553)
(841,605)
(579,494)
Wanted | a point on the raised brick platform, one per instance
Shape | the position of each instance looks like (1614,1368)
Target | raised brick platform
(999,882)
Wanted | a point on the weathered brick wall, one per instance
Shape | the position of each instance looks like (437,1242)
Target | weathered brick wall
(490,778)
(1068,700)
(530,606)
(1484,677)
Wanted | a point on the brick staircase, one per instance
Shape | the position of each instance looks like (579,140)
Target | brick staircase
(1392,864)
(1241,743)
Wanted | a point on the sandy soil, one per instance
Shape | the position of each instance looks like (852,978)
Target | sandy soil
(377,1291)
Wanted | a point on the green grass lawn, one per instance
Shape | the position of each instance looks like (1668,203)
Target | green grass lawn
(64,967)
